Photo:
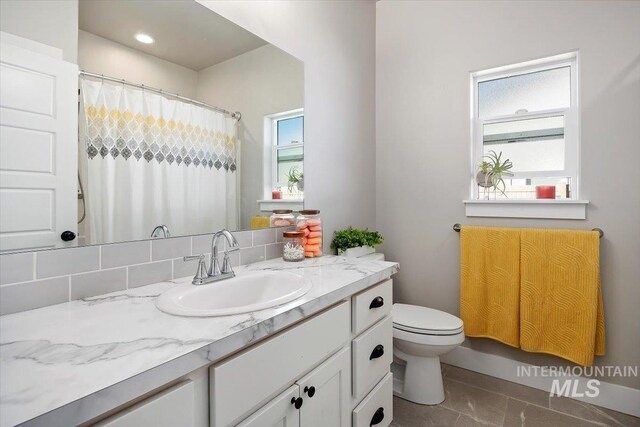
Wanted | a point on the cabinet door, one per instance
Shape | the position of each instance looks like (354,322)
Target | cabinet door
(280,412)
(326,393)
(170,408)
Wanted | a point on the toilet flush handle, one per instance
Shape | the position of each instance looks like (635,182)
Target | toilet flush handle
(376,303)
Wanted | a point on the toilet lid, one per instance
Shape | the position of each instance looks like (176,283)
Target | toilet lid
(413,318)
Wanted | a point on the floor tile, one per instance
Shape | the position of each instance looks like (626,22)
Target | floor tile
(467,421)
(496,385)
(481,405)
(408,414)
(593,413)
(522,414)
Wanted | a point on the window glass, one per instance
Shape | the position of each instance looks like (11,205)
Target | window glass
(291,131)
(526,188)
(538,91)
(533,145)
(288,159)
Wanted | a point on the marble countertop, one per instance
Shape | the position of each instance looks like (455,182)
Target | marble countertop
(68,363)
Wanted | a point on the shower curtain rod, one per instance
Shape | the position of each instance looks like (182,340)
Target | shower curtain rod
(235,115)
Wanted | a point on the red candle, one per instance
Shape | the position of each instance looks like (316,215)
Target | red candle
(275,195)
(545,192)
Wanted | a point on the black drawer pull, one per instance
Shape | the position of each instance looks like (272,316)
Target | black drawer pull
(297,403)
(310,391)
(376,303)
(377,417)
(378,351)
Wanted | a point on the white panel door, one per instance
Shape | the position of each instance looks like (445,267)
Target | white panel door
(326,393)
(38,149)
(279,412)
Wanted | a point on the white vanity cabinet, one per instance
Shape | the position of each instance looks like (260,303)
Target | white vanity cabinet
(321,398)
(346,350)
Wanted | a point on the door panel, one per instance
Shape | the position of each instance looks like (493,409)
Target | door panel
(330,403)
(38,149)
(279,412)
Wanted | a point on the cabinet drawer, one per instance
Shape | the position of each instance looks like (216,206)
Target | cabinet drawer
(172,407)
(377,408)
(371,305)
(372,356)
(243,382)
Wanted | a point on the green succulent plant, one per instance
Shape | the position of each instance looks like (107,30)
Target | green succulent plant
(352,238)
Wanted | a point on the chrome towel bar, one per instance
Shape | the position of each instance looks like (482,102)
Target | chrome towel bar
(457,227)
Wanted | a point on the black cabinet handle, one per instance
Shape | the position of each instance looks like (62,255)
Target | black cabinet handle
(378,351)
(377,302)
(310,391)
(68,236)
(297,403)
(377,417)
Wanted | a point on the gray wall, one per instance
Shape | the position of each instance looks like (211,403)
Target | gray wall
(336,41)
(425,51)
(99,55)
(52,22)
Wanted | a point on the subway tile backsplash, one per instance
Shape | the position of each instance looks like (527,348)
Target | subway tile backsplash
(32,280)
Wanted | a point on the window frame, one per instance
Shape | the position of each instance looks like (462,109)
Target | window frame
(275,118)
(570,114)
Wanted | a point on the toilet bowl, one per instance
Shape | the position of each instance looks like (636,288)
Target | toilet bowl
(420,336)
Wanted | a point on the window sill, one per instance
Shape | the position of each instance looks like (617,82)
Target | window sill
(548,209)
(269,205)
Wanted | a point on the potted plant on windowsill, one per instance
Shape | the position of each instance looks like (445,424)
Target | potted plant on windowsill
(355,243)
(295,178)
(491,172)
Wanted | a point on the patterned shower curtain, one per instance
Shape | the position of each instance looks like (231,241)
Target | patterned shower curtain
(149,160)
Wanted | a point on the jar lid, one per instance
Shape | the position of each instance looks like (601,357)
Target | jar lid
(309,212)
(282,211)
(293,234)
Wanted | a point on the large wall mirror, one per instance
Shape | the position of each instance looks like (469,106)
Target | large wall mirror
(186,124)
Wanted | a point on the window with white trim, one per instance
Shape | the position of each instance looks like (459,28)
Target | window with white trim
(287,153)
(528,113)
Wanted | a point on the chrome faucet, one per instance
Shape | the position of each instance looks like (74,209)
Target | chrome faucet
(160,231)
(215,273)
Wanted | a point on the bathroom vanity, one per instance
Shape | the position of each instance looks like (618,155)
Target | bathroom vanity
(116,360)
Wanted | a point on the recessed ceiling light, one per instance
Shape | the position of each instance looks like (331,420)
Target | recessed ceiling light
(144,38)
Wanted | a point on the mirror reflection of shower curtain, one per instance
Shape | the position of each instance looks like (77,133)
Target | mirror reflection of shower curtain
(148,160)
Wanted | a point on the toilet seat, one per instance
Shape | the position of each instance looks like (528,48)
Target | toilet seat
(425,321)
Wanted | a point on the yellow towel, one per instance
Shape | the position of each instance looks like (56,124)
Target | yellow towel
(260,222)
(561,311)
(490,283)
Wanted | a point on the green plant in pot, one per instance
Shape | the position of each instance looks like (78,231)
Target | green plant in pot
(354,242)
(492,170)
(295,177)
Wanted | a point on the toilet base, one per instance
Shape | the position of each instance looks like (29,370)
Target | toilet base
(422,379)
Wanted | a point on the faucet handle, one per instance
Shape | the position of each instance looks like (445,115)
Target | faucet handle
(201,272)
(226,263)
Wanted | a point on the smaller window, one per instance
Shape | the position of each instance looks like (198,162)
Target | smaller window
(287,153)
(529,113)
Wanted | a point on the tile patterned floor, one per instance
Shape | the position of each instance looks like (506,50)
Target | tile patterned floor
(473,399)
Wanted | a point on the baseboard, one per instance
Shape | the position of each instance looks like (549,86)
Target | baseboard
(611,396)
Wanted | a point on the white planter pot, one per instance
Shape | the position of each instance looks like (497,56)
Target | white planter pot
(357,252)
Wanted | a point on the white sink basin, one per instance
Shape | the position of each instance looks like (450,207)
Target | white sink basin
(244,293)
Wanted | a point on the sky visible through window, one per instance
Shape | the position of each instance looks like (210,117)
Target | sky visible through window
(291,130)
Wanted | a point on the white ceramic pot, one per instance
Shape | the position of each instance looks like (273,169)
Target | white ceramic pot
(357,252)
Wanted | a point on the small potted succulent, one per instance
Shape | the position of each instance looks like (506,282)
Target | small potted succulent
(296,178)
(491,171)
(355,243)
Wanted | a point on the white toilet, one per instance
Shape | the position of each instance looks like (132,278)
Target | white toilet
(420,336)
